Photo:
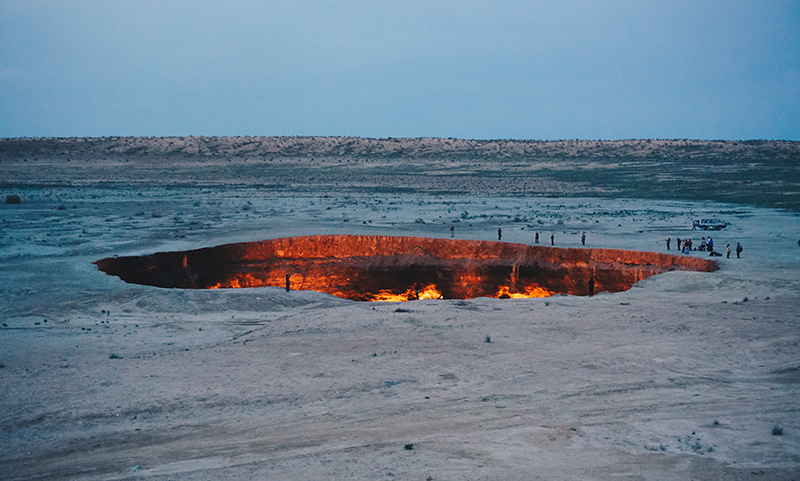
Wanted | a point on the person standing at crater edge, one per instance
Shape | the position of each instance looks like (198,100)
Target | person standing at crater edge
(552,239)
(738,249)
(499,233)
(667,243)
(583,239)
(536,239)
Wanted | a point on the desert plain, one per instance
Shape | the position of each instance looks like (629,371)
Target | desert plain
(687,375)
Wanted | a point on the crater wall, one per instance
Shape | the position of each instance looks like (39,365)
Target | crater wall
(360,267)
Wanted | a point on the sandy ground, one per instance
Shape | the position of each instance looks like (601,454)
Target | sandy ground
(682,377)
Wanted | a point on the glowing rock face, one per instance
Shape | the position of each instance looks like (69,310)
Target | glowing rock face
(383,268)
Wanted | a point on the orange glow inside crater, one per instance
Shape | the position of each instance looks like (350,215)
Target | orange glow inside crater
(398,269)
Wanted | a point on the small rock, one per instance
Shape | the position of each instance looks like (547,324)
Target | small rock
(13,199)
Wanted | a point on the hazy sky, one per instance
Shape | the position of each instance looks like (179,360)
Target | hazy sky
(561,69)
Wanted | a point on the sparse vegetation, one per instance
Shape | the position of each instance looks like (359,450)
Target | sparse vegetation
(777,430)
(114,356)
(488,338)
(767,162)
(409,446)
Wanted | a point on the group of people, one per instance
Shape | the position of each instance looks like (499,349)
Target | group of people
(706,245)
(684,245)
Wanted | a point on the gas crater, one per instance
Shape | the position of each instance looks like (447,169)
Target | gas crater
(387,268)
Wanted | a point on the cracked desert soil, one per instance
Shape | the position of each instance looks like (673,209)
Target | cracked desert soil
(682,377)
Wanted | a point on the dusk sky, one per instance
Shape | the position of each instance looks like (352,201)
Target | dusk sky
(548,70)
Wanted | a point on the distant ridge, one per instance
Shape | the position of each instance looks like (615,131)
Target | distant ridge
(396,147)
(756,172)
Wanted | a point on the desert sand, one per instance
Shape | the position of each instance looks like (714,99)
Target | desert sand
(687,375)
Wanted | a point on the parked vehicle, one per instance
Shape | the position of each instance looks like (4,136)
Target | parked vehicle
(709,224)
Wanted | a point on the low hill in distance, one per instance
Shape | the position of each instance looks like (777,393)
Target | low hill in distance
(757,172)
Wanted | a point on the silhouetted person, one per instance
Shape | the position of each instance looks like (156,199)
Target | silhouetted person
(499,233)
(728,248)
(679,244)
(452,231)
(738,249)
(552,239)
(591,286)
(667,243)
(287,281)
(583,239)
(536,239)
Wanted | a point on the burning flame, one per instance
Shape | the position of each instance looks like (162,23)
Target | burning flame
(530,291)
(428,292)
